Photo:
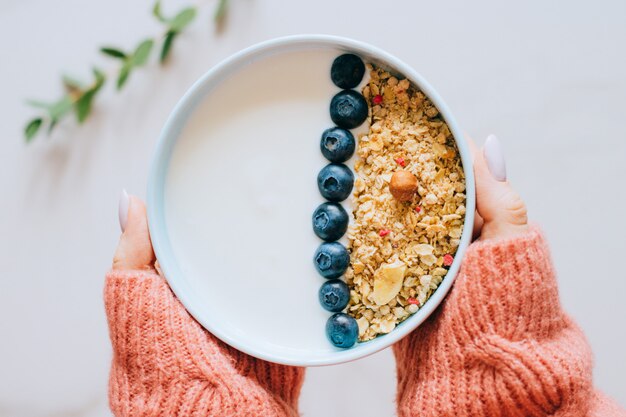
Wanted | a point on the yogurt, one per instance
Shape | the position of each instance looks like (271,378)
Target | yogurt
(240,191)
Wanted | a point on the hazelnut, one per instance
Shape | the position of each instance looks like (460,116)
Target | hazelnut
(403,185)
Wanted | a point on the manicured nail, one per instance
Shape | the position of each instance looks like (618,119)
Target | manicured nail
(495,158)
(123,209)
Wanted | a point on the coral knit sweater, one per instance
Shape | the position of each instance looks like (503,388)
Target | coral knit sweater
(500,345)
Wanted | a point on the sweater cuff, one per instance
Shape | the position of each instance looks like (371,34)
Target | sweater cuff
(508,287)
(163,358)
(130,296)
(131,274)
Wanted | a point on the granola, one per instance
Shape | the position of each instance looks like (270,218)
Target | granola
(400,251)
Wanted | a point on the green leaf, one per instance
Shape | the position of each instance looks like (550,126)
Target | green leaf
(182,19)
(220,11)
(141,54)
(72,83)
(123,75)
(156,11)
(82,107)
(113,52)
(32,128)
(167,45)
(60,108)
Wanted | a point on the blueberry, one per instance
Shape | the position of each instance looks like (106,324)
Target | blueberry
(331,259)
(335,182)
(334,295)
(342,330)
(337,144)
(348,109)
(347,71)
(330,221)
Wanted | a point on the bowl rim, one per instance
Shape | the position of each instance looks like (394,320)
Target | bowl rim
(173,127)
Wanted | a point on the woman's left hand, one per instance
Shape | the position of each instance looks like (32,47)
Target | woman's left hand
(164,362)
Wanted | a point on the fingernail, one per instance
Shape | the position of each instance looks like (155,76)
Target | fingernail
(495,158)
(122,211)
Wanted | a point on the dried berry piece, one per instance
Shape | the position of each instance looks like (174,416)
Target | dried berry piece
(377,99)
(384,232)
(413,300)
(447,259)
(400,161)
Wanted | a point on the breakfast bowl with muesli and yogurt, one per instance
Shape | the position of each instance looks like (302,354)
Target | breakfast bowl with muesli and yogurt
(310,200)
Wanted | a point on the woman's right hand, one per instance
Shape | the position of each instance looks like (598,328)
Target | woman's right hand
(501,212)
(500,343)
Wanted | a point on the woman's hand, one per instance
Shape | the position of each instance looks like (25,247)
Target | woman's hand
(164,362)
(499,344)
(500,210)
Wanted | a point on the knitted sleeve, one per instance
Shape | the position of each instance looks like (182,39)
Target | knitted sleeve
(165,364)
(500,345)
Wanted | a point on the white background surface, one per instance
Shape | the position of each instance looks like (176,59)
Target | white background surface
(546,77)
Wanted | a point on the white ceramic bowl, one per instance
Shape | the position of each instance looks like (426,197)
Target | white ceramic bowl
(272,315)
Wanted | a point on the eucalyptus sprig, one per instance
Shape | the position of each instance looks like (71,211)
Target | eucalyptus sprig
(79,97)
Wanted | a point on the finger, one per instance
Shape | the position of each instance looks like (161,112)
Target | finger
(134,250)
(501,207)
